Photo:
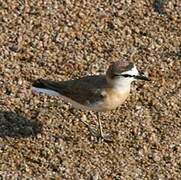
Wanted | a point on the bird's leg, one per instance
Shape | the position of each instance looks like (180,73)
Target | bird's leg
(95,132)
(102,136)
(94,116)
(100,126)
(92,130)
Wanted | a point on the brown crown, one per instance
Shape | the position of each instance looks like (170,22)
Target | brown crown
(119,67)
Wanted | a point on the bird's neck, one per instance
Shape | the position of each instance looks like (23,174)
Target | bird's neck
(120,84)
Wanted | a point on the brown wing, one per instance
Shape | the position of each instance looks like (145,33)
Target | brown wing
(86,91)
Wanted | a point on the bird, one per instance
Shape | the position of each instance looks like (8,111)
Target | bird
(97,93)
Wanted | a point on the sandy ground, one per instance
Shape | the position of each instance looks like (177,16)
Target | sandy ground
(41,137)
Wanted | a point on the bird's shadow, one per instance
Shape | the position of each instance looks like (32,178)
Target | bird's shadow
(17,126)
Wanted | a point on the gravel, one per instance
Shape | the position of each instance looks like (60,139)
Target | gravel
(41,137)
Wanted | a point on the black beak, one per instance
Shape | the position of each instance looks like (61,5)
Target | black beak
(141,76)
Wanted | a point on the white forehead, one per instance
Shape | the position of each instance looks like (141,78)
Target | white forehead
(133,71)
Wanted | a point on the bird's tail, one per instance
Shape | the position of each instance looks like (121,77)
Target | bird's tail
(44,86)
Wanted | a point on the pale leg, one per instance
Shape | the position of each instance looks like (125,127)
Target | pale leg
(92,130)
(96,133)
(102,136)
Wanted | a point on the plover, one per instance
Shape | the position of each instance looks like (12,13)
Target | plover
(95,93)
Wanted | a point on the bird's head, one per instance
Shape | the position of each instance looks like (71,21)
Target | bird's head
(122,73)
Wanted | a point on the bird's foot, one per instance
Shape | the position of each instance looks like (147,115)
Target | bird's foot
(104,138)
(100,137)
(98,134)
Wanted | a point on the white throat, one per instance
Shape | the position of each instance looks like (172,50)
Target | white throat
(123,83)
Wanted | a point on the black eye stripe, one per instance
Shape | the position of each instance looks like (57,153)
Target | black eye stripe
(124,75)
(127,75)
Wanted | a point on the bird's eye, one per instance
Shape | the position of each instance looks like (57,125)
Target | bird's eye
(116,75)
